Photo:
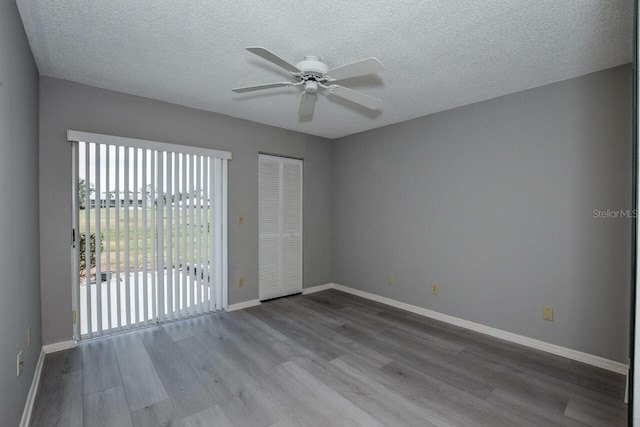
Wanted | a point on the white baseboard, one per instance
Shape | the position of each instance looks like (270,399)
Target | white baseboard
(253,303)
(33,391)
(58,346)
(243,305)
(579,356)
(312,289)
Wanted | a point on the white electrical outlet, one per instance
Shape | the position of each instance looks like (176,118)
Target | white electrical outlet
(19,364)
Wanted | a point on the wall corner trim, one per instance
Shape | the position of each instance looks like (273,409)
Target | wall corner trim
(318,288)
(576,355)
(33,391)
(243,305)
(58,346)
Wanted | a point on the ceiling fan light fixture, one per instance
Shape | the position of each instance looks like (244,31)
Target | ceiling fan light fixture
(311,86)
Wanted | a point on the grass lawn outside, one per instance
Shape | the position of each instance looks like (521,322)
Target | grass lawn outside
(117,240)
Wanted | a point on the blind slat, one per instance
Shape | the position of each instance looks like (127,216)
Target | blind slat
(107,233)
(145,224)
(136,226)
(127,224)
(87,241)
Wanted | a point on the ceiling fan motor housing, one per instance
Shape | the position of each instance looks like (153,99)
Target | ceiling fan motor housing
(313,69)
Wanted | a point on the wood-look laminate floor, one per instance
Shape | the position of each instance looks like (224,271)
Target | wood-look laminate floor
(326,359)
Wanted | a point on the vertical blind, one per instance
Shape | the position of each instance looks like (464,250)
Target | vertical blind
(149,240)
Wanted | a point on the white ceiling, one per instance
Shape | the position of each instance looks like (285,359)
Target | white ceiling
(438,54)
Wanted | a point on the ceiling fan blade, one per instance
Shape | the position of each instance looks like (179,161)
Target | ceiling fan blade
(355,96)
(356,69)
(273,58)
(260,87)
(307,104)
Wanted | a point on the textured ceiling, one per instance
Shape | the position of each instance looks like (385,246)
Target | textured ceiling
(438,54)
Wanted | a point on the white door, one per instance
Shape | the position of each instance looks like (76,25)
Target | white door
(280,226)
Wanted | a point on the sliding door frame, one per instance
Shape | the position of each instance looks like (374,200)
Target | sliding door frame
(75,243)
(632,379)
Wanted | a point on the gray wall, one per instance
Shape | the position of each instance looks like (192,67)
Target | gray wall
(19,254)
(66,105)
(494,202)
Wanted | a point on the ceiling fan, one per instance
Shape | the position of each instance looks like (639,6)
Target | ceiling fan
(311,74)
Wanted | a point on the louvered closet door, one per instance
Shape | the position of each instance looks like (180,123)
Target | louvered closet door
(270,217)
(280,213)
(291,227)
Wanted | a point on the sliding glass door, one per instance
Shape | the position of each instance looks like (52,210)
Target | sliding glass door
(149,240)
